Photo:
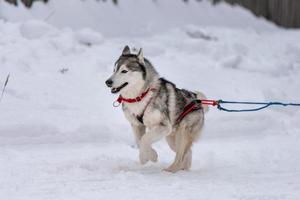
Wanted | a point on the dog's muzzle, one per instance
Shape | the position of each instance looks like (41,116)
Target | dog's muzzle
(116,90)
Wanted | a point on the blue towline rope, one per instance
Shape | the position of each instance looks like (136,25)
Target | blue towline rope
(265,105)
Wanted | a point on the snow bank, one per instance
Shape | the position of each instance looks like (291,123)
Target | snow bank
(134,17)
(89,37)
(34,29)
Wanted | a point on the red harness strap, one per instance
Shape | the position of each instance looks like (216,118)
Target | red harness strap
(137,99)
(209,102)
(195,105)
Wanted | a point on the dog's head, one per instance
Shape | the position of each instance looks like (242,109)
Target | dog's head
(129,72)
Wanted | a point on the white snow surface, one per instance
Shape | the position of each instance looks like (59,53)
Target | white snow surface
(60,137)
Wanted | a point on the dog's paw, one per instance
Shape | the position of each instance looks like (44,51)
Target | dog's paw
(143,157)
(166,170)
(173,169)
(153,155)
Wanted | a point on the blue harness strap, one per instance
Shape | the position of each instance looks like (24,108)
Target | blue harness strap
(263,105)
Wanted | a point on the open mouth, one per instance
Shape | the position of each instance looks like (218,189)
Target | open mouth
(116,90)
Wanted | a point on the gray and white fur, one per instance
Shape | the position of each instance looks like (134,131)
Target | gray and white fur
(155,116)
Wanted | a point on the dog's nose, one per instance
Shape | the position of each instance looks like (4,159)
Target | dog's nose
(109,83)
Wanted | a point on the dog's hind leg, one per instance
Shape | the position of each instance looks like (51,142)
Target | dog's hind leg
(183,144)
(188,132)
(187,161)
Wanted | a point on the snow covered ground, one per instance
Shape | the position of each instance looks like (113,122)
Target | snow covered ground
(60,137)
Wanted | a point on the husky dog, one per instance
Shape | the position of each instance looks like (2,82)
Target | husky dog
(154,107)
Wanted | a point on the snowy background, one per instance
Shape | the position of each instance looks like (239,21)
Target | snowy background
(60,137)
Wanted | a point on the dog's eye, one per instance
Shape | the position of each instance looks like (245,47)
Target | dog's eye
(124,71)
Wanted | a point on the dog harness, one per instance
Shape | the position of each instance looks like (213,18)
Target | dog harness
(135,100)
(192,106)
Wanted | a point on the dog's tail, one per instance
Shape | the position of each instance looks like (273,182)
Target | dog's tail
(201,96)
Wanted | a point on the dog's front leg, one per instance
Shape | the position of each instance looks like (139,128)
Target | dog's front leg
(152,135)
(139,131)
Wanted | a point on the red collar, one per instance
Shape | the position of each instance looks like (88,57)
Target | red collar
(137,99)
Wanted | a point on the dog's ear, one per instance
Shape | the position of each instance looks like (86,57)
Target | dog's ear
(140,56)
(126,50)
